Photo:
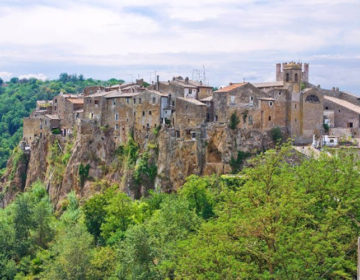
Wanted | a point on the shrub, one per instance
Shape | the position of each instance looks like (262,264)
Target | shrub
(56,131)
(276,134)
(237,163)
(83,173)
(234,121)
(326,127)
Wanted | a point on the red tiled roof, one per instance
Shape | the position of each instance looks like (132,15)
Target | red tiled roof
(231,87)
(76,100)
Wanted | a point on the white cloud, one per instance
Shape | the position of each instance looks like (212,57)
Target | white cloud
(5,76)
(38,76)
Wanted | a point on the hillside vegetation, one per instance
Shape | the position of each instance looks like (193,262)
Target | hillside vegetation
(18,98)
(274,220)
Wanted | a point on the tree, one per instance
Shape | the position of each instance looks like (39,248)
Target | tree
(285,222)
(234,121)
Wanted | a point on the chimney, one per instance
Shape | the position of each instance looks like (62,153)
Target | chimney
(278,72)
(157,82)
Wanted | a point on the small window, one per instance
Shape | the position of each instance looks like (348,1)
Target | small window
(143,113)
(232,99)
(279,92)
(55,100)
(55,108)
(173,103)
(339,110)
(149,112)
(114,101)
(96,102)
(216,118)
(250,120)
(154,100)
(295,106)
(296,77)
(134,101)
(270,103)
(116,116)
(91,115)
(139,100)
(177,134)
(326,108)
(287,77)
(116,126)
(269,118)
(147,126)
(251,99)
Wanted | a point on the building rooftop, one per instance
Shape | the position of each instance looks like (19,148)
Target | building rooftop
(231,87)
(343,103)
(269,84)
(207,99)
(192,100)
(76,100)
(267,98)
(119,94)
(53,117)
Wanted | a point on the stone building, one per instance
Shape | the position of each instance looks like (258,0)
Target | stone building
(253,107)
(68,107)
(190,114)
(342,116)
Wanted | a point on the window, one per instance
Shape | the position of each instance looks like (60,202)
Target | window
(287,77)
(116,117)
(279,92)
(147,126)
(295,106)
(270,103)
(232,99)
(251,99)
(114,101)
(339,110)
(96,102)
(134,100)
(139,100)
(296,77)
(143,113)
(116,126)
(312,99)
(326,108)
(193,135)
(149,112)
(216,118)
(55,100)
(91,115)
(55,108)
(177,134)
(173,103)
(250,120)
(269,118)
(154,100)
(350,125)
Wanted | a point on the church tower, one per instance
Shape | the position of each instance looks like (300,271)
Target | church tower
(292,76)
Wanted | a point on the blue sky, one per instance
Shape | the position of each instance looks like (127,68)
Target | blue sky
(234,40)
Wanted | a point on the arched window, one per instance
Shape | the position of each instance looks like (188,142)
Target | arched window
(312,99)
(287,77)
(296,77)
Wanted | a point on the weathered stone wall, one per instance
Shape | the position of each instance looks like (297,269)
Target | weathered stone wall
(189,114)
(312,113)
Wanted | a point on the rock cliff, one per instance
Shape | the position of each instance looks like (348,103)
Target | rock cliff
(90,159)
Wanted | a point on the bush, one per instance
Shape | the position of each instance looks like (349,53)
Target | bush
(237,163)
(56,131)
(276,134)
(234,121)
(83,173)
(326,127)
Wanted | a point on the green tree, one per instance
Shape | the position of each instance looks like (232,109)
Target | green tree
(234,121)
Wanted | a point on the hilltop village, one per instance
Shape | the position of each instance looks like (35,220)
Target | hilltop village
(144,137)
(304,112)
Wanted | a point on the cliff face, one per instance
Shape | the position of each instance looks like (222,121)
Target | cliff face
(91,159)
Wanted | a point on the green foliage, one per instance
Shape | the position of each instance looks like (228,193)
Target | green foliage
(18,156)
(56,131)
(83,173)
(18,99)
(145,169)
(273,220)
(276,135)
(237,163)
(326,127)
(234,121)
(302,86)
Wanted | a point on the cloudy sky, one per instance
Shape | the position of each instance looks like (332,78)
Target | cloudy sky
(233,40)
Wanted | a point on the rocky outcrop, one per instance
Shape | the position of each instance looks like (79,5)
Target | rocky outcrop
(84,161)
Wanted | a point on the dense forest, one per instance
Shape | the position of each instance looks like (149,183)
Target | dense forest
(18,98)
(276,219)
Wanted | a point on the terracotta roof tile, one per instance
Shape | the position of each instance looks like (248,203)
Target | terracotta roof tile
(76,100)
(231,87)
